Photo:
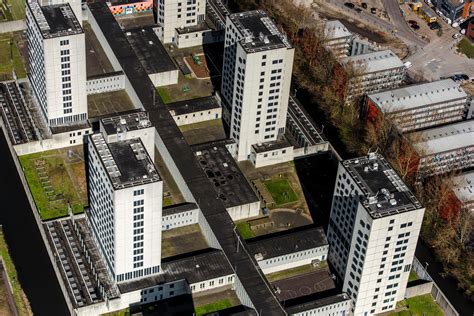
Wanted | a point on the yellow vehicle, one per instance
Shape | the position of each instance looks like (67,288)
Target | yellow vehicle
(427,15)
(416,6)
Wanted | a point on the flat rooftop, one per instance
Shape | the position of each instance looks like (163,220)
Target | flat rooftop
(127,162)
(131,121)
(149,50)
(446,138)
(193,105)
(258,31)
(179,208)
(334,29)
(230,185)
(194,268)
(384,192)
(376,61)
(464,187)
(302,307)
(289,242)
(55,20)
(417,96)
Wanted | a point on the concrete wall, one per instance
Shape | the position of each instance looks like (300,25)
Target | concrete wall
(12,26)
(420,289)
(198,38)
(335,309)
(57,141)
(180,219)
(244,211)
(197,117)
(166,78)
(310,150)
(105,84)
(292,260)
(207,231)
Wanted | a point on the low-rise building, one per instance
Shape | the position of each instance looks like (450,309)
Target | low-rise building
(196,110)
(290,249)
(372,73)
(420,106)
(179,215)
(445,149)
(464,190)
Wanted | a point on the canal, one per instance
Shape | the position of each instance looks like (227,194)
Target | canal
(27,249)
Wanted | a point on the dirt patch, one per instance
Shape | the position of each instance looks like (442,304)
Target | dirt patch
(108,103)
(5,308)
(182,240)
(198,65)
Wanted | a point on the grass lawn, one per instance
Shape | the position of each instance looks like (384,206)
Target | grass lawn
(6,63)
(19,296)
(167,201)
(244,230)
(272,277)
(213,307)
(123,312)
(413,276)
(54,181)
(12,10)
(422,305)
(281,191)
(163,92)
(466,47)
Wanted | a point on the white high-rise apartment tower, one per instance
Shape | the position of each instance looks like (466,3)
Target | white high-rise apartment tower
(57,58)
(125,198)
(373,230)
(174,14)
(256,77)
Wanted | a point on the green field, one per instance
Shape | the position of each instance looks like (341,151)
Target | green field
(422,305)
(466,47)
(56,181)
(19,296)
(123,312)
(213,307)
(10,59)
(272,277)
(163,92)
(12,10)
(281,191)
(244,230)
(413,276)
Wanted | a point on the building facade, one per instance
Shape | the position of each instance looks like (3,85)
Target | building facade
(373,230)
(57,59)
(125,198)
(171,15)
(258,61)
(445,149)
(338,38)
(420,106)
(373,72)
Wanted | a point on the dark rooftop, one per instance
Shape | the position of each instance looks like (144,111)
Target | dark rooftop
(130,121)
(219,220)
(127,162)
(230,185)
(196,268)
(201,26)
(55,20)
(149,50)
(259,32)
(179,208)
(385,193)
(289,242)
(70,128)
(193,105)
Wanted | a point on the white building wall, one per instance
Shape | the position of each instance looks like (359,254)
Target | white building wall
(180,219)
(199,38)
(244,211)
(197,117)
(173,14)
(164,78)
(293,260)
(106,84)
(271,157)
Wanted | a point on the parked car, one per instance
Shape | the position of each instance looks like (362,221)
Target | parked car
(457,35)
(349,5)
(434,26)
(408,64)
(373,10)
(460,77)
(415,27)
(364,5)
(412,22)
(359,10)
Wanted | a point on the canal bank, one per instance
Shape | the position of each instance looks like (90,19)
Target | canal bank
(27,249)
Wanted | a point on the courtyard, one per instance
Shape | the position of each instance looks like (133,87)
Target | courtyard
(108,103)
(57,181)
(10,56)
